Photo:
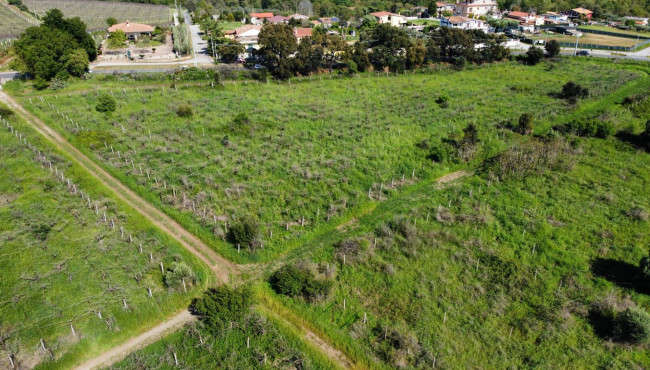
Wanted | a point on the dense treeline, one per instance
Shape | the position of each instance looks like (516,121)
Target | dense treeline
(382,48)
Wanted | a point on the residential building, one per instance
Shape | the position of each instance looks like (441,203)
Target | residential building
(327,22)
(580,13)
(445,7)
(299,17)
(463,23)
(258,18)
(132,30)
(525,18)
(393,19)
(639,20)
(246,35)
(470,8)
(555,18)
(301,33)
(278,19)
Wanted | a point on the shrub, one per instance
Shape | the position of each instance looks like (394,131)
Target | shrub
(185,110)
(241,123)
(289,280)
(221,305)
(633,325)
(293,281)
(526,124)
(534,55)
(178,273)
(40,83)
(572,91)
(552,49)
(590,128)
(106,103)
(245,231)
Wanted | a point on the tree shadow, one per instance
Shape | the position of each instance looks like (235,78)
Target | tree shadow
(602,323)
(621,273)
(637,141)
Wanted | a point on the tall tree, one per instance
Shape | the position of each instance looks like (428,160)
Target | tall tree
(389,46)
(277,44)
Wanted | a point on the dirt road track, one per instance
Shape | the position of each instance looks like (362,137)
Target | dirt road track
(150,336)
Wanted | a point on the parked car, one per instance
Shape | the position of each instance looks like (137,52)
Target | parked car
(258,66)
(583,53)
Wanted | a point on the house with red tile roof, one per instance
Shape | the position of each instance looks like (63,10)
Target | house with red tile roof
(581,12)
(393,19)
(132,30)
(301,33)
(470,8)
(258,18)
(278,19)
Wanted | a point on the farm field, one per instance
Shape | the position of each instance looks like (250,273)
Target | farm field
(95,13)
(495,271)
(297,154)
(81,271)
(195,347)
(592,38)
(616,30)
(11,25)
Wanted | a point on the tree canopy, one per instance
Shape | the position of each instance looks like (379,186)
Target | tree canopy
(57,45)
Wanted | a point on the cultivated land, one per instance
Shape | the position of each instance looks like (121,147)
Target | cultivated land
(64,266)
(11,25)
(270,343)
(95,13)
(592,38)
(488,265)
(616,30)
(325,150)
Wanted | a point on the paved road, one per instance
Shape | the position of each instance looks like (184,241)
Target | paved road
(199,46)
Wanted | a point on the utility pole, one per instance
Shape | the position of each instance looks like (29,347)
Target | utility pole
(575,52)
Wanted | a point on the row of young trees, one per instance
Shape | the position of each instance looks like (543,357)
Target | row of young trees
(59,47)
(382,47)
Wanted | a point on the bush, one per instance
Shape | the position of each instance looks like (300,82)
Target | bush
(221,305)
(106,103)
(633,325)
(241,124)
(644,267)
(185,110)
(40,83)
(245,232)
(293,281)
(552,49)
(525,124)
(534,55)
(590,128)
(178,272)
(572,91)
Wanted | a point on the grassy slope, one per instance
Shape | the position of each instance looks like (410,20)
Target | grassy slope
(316,146)
(62,264)
(441,288)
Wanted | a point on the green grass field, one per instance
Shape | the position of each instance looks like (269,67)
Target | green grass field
(322,150)
(616,30)
(64,266)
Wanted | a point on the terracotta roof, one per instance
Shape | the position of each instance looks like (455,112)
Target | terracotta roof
(582,11)
(458,19)
(475,5)
(518,14)
(381,14)
(277,18)
(130,27)
(302,32)
(262,15)
(441,4)
(247,27)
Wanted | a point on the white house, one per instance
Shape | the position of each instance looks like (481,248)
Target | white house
(393,19)
(463,23)
(476,7)
(246,35)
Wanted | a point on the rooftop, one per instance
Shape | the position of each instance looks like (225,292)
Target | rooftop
(130,27)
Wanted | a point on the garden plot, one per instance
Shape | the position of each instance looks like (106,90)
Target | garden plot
(297,157)
(81,272)
(11,24)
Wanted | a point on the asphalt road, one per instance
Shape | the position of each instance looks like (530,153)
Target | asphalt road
(199,46)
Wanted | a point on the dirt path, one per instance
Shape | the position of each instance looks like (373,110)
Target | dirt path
(150,336)
(221,267)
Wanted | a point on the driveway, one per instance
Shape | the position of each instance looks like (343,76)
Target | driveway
(199,46)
